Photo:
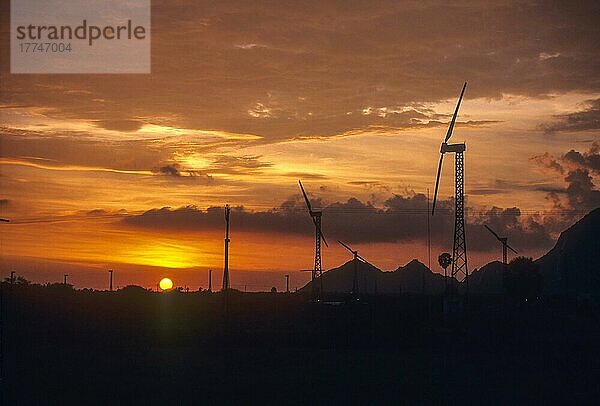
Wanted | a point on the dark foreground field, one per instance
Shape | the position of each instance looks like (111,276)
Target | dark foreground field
(75,347)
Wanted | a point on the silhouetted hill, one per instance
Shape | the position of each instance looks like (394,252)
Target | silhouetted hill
(340,279)
(573,265)
(414,277)
(487,280)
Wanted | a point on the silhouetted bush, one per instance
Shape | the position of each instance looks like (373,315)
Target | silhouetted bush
(522,279)
(133,290)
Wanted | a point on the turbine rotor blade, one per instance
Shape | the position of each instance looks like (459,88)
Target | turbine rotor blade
(323,238)
(512,249)
(321,233)
(492,231)
(348,248)
(451,127)
(305,198)
(437,184)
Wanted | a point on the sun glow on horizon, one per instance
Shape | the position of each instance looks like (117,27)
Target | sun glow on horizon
(165,284)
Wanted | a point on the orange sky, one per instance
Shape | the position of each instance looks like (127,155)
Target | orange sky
(245,99)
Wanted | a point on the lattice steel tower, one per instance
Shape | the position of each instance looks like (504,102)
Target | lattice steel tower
(459,251)
(317,271)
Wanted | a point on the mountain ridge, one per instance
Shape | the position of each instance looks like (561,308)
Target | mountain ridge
(570,267)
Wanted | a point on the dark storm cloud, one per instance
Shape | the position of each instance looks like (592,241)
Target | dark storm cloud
(588,160)
(524,232)
(171,170)
(578,170)
(587,119)
(581,191)
(548,161)
(177,172)
(293,69)
(401,219)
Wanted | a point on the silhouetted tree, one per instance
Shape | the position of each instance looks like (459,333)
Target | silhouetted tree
(19,280)
(133,290)
(445,260)
(522,279)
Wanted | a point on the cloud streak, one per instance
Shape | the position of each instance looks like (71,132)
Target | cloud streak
(586,119)
(282,71)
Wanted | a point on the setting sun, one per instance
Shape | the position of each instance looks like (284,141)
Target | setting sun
(165,284)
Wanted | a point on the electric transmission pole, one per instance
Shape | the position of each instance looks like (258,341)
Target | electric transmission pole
(226,267)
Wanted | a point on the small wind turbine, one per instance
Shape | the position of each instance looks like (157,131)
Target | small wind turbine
(459,251)
(316,218)
(356,259)
(505,246)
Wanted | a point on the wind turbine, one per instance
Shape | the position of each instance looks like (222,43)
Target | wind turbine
(316,218)
(357,258)
(504,242)
(459,251)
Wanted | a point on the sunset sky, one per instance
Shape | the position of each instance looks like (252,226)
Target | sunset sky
(131,172)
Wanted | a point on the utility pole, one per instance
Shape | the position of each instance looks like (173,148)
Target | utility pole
(12,280)
(110,285)
(226,268)
(12,277)
(210,280)
(65,279)
(428,246)
(287,283)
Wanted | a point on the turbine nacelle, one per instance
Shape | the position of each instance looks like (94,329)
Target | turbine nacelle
(445,147)
(452,148)
(504,242)
(315,215)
